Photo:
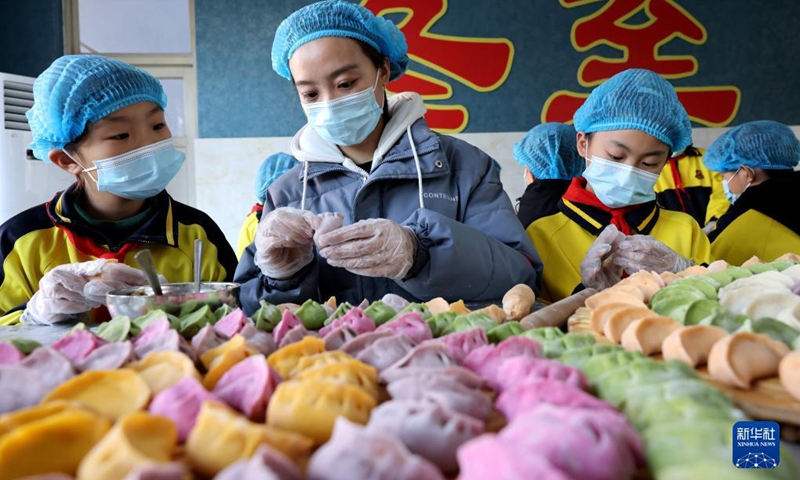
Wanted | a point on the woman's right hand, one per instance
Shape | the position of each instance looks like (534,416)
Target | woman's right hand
(597,271)
(285,242)
(60,294)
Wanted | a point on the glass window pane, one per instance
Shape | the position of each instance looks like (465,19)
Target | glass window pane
(176,113)
(134,26)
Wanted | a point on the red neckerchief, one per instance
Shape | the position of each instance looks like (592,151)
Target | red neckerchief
(577,193)
(257,208)
(680,191)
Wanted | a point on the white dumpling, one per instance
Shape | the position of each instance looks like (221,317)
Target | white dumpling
(384,352)
(355,453)
(426,428)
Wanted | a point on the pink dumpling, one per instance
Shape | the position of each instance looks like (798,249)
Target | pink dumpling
(262,341)
(445,392)
(360,342)
(181,403)
(454,373)
(522,398)
(337,337)
(110,356)
(460,344)
(248,386)
(231,324)
(53,367)
(294,335)
(557,433)
(170,340)
(523,369)
(288,321)
(206,339)
(77,345)
(487,458)
(486,361)
(266,464)
(9,355)
(355,318)
(410,324)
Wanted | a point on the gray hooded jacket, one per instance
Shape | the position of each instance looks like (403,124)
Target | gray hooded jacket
(470,244)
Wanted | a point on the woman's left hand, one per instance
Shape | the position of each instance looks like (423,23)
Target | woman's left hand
(372,248)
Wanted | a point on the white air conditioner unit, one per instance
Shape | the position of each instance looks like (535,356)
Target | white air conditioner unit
(24,180)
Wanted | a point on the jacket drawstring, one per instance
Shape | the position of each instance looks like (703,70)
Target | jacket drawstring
(305,186)
(416,162)
(419,168)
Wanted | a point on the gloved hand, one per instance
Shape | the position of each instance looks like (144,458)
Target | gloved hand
(114,276)
(642,252)
(74,288)
(597,270)
(285,242)
(373,248)
(710,227)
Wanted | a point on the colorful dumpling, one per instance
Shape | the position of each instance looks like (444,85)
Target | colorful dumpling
(181,403)
(384,352)
(445,392)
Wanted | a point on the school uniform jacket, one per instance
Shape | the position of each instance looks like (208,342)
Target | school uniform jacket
(687,186)
(45,236)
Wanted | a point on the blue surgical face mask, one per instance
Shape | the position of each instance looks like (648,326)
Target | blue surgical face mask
(618,185)
(726,188)
(347,120)
(140,173)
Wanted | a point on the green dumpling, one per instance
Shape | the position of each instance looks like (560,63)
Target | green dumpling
(380,312)
(543,334)
(115,330)
(738,272)
(419,308)
(440,322)
(706,286)
(723,278)
(223,311)
(340,311)
(192,323)
(312,314)
(600,365)
(762,267)
(681,409)
(503,331)
(690,441)
(572,341)
(267,316)
(730,322)
(189,307)
(702,312)
(577,357)
(781,265)
(613,387)
(25,345)
(775,329)
(138,324)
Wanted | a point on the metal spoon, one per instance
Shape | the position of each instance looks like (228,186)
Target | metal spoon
(198,263)
(146,262)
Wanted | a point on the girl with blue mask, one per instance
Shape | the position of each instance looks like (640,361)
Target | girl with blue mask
(757,161)
(608,223)
(379,203)
(101,120)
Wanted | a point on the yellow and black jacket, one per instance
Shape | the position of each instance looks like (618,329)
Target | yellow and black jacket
(48,235)
(764,222)
(687,186)
(562,240)
(248,231)
(540,200)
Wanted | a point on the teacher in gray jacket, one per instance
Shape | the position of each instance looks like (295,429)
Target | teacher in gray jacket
(379,203)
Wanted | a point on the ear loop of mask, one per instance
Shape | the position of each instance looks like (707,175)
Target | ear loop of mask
(736,173)
(87,171)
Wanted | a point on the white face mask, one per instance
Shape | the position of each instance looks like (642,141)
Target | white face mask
(346,120)
(618,185)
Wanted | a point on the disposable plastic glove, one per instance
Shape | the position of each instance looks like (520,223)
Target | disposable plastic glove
(114,276)
(642,252)
(597,270)
(60,294)
(285,242)
(372,248)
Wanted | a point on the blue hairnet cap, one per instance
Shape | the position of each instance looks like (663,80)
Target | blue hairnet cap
(80,89)
(338,18)
(273,167)
(762,144)
(637,99)
(550,151)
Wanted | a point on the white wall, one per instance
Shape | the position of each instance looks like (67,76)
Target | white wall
(226,169)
